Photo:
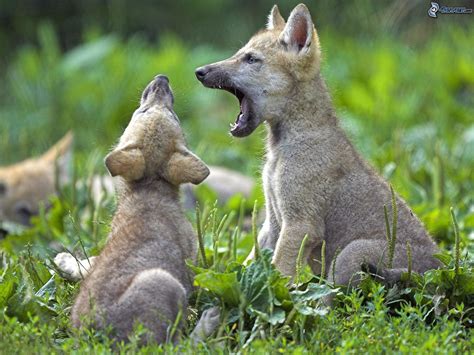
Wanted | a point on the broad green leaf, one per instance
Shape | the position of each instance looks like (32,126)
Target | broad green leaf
(223,285)
(234,266)
(312,293)
(445,258)
(281,290)
(255,281)
(307,310)
(7,288)
(88,54)
(466,283)
(277,317)
(196,269)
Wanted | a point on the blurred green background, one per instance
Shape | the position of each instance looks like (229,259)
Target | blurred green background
(402,83)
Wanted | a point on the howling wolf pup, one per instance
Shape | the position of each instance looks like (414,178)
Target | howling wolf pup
(141,275)
(28,184)
(315,183)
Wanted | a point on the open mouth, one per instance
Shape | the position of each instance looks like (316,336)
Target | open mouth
(246,121)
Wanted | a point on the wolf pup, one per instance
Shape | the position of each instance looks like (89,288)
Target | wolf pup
(315,183)
(141,275)
(27,184)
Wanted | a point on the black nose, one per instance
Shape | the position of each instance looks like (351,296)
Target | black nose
(159,86)
(160,78)
(161,82)
(201,73)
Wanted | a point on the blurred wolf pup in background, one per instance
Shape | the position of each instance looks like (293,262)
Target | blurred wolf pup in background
(25,185)
(315,182)
(141,275)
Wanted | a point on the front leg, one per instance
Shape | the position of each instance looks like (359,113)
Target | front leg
(289,244)
(268,235)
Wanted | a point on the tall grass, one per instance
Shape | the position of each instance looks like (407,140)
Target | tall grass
(419,135)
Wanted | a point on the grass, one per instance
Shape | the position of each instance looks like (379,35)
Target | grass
(409,111)
(426,313)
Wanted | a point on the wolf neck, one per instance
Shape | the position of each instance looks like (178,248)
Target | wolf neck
(309,108)
(148,200)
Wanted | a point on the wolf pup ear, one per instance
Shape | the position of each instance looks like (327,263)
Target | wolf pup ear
(184,167)
(298,32)
(127,162)
(275,20)
(62,147)
(59,156)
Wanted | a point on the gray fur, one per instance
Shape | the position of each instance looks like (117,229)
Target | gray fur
(315,182)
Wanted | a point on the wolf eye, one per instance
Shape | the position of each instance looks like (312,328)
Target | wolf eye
(23,212)
(250,59)
(3,188)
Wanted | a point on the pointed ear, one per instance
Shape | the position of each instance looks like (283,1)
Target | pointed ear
(275,21)
(61,148)
(298,32)
(60,156)
(184,167)
(127,162)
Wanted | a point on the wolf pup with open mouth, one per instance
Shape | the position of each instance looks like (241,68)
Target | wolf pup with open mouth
(315,183)
(141,275)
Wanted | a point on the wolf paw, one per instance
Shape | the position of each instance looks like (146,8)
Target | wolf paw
(71,268)
(207,324)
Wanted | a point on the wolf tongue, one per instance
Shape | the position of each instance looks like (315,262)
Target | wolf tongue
(240,123)
(243,122)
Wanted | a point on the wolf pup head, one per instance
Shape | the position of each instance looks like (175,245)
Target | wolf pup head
(153,144)
(27,184)
(263,74)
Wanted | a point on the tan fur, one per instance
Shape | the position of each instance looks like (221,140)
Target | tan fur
(315,182)
(25,185)
(141,275)
(223,181)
